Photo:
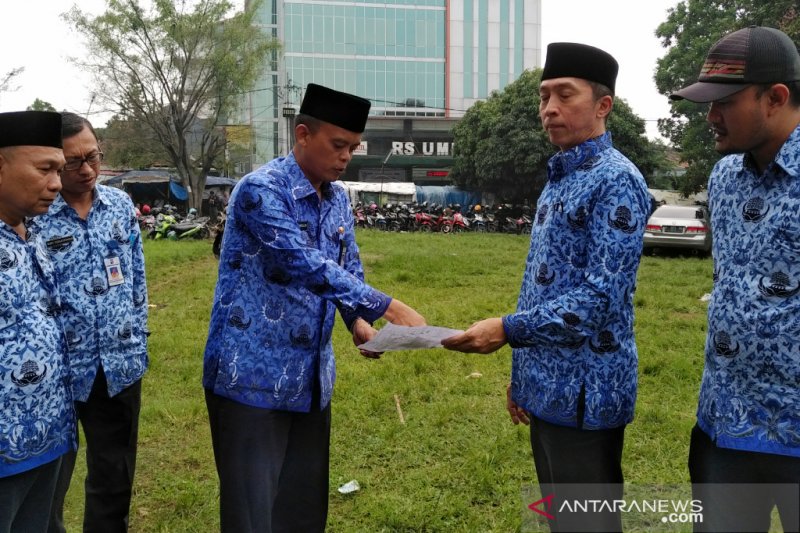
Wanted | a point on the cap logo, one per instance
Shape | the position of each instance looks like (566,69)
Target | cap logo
(731,68)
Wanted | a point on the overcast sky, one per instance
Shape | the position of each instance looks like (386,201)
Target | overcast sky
(35,36)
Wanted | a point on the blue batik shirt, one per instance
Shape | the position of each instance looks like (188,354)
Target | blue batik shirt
(288,261)
(100,267)
(37,421)
(573,327)
(750,393)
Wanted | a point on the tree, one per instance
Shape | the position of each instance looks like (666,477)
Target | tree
(130,143)
(178,69)
(40,105)
(501,147)
(8,78)
(691,28)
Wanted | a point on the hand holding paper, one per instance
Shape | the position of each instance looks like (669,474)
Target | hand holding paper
(392,337)
(485,336)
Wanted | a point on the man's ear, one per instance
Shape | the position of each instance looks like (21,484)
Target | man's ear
(604,106)
(778,95)
(301,134)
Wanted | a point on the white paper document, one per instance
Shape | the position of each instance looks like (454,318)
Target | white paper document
(391,337)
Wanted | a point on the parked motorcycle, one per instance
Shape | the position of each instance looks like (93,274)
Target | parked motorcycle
(190,229)
(478,221)
(162,226)
(460,222)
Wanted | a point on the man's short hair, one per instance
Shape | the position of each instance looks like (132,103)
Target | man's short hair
(308,121)
(794,91)
(72,124)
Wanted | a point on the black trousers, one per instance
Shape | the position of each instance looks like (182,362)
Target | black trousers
(272,466)
(25,499)
(111,429)
(715,474)
(577,465)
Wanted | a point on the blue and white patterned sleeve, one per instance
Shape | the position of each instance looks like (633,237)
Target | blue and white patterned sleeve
(270,213)
(140,298)
(593,274)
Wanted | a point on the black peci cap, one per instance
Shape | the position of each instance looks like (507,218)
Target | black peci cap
(30,128)
(340,109)
(575,60)
(751,55)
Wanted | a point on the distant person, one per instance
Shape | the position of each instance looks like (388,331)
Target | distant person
(574,354)
(748,418)
(93,237)
(37,422)
(289,260)
(214,203)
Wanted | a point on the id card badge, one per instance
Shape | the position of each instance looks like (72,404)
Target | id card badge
(113,271)
(342,246)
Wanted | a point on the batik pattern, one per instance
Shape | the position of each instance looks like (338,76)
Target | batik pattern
(289,260)
(573,327)
(750,393)
(104,323)
(37,422)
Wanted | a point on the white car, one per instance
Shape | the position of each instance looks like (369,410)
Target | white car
(679,226)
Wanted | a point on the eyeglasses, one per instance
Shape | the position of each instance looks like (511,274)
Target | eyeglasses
(91,159)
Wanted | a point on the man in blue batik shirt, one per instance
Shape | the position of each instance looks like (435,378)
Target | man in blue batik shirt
(93,238)
(574,358)
(289,260)
(748,417)
(37,421)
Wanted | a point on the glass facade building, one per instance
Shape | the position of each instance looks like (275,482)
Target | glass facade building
(411,58)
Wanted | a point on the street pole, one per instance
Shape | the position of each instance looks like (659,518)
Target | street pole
(383,176)
(289,113)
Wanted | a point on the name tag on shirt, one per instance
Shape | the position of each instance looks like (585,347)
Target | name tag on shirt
(59,243)
(113,271)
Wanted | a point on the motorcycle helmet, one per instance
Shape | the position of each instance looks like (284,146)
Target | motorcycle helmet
(145,209)
(477,208)
(192,211)
(172,235)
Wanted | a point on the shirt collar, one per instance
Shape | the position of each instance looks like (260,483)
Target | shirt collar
(301,187)
(100,198)
(786,158)
(567,161)
(8,232)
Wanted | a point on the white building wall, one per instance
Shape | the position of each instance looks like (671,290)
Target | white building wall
(461,97)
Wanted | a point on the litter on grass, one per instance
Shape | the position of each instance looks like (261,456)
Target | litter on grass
(349,487)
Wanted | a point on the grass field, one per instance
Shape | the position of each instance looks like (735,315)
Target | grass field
(457,463)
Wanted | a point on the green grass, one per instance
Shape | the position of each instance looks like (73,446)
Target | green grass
(457,464)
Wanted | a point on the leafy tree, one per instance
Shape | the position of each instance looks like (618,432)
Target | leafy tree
(501,147)
(499,143)
(691,28)
(178,69)
(131,143)
(8,78)
(40,105)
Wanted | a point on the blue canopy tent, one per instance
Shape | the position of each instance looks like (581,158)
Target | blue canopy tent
(149,186)
(446,195)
